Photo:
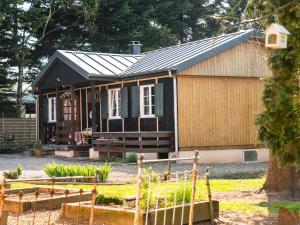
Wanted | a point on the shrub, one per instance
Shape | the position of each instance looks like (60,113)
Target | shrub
(61,170)
(106,200)
(14,174)
(131,158)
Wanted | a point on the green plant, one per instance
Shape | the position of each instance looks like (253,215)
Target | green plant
(14,174)
(106,200)
(38,144)
(61,170)
(130,158)
(181,194)
(104,171)
(150,172)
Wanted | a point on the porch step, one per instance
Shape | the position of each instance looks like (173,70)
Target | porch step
(72,150)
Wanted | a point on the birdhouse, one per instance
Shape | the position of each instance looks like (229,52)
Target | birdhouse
(276,36)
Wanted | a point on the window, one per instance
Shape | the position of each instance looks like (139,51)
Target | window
(272,39)
(52,109)
(147,101)
(250,156)
(114,103)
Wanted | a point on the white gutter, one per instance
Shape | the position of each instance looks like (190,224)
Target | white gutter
(175,113)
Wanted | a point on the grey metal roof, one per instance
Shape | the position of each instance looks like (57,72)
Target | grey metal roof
(97,66)
(182,56)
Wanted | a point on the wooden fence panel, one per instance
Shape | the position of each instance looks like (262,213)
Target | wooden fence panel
(23,129)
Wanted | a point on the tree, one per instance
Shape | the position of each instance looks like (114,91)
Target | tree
(279,124)
(188,19)
(32,30)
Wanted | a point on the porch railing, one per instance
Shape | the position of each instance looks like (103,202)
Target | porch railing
(150,141)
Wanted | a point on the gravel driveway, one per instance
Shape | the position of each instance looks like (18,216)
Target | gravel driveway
(33,166)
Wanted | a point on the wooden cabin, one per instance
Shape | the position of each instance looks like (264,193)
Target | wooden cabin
(201,95)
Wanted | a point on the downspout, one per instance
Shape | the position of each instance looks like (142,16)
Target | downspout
(175,113)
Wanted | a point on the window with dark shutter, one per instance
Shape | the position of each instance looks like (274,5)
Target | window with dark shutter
(159,99)
(124,102)
(104,107)
(135,102)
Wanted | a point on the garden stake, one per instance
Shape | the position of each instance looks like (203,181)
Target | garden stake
(166,204)
(19,208)
(157,199)
(79,204)
(64,206)
(183,197)
(138,189)
(50,202)
(94,193)
(148,198)
(194,184)
(175,199)
(36,193)
(211,209)
(2,196)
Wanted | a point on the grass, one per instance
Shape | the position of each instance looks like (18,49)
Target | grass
(247,207)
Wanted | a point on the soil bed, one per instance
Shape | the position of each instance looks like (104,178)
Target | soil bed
(29,201)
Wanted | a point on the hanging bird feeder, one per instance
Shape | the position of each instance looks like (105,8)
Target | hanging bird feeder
(276,36)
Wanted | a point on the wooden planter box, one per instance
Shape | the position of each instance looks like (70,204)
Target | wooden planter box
(117,216)
(11,203)
(3,219)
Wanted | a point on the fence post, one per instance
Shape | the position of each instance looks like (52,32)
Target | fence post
(138,189)
(2,196)
(194,184)
(211,209)
(94,195)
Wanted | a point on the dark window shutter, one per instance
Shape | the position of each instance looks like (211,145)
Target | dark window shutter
(104,104)
(135,102)
(124,102)
(159,99)
(45,108)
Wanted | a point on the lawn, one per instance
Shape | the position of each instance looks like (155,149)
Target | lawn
(218,186)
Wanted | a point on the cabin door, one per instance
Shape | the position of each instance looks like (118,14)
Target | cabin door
(67,111)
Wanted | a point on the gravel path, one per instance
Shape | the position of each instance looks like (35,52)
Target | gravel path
(33,167)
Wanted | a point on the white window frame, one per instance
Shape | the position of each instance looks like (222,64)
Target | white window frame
(52,117)
(118,101)
(142,102)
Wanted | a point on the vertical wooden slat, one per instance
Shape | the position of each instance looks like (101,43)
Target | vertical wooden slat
(218,111)
(93,106)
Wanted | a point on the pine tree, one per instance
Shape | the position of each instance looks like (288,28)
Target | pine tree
(279,124)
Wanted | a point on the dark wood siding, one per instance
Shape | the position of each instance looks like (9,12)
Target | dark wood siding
(166,122)
(60,70)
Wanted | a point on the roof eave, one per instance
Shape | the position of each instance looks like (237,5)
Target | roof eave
(59,55)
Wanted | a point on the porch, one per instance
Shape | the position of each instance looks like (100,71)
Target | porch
(142,142)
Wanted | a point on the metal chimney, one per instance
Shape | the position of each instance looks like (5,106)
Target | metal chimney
(135,47)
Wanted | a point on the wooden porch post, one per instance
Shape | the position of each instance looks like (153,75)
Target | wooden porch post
(93,93)
(58,106)
(72,105)
(42,118)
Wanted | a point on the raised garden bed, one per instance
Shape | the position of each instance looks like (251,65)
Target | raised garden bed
(28,201)
(3,219)
(116,215)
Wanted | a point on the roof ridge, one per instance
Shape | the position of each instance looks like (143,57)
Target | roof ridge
(101,53)
(205,39)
